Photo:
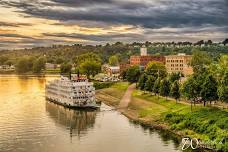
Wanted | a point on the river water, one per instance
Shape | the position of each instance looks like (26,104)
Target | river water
(29,123)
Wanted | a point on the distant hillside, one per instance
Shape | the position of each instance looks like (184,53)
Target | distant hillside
(68,53)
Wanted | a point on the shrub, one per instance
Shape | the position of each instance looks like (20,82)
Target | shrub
(102,85)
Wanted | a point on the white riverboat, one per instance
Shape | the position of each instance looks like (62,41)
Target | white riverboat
(76,92)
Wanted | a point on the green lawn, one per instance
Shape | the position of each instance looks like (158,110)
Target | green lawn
(113,94)
(207,123)
(121,85)
(52,71)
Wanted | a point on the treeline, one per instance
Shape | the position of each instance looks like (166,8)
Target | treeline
(88,64)
(208,83)
(30,64)
(65,53)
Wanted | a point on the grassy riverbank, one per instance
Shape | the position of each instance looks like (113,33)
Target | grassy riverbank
(112,95)
(205,123)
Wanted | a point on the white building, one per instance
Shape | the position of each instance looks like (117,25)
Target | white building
(51,66)
(7,67)
(143,51)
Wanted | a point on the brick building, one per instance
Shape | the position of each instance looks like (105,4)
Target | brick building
(179,63)
(144,60)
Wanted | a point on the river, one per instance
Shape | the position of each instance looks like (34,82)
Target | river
(29,123)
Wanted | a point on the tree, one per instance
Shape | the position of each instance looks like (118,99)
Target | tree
(223,89)
(199,61)
(222,65)
(31,60)
(59,60)
(219,69)
(88,64)
(225,42)
(114,60)
(38,65)
(132,74)
(199,42)
(22,65)
(156,86)
(191,90)
(164,88)
(65,68)
(90,68)
(123,74)
(8,62)
(149,83)
(174,76)
(156,69)
(142,81)
(209,89)
(175,90)
(3,59)
(87,57)
(209,42)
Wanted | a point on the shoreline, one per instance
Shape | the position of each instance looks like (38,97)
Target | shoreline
(29,74)
(132,115)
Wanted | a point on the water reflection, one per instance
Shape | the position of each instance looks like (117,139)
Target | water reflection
(76,121)
(28,123)
(166,136)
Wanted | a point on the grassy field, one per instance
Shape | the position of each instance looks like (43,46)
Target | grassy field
(206,123)
(52,71)
(113,94)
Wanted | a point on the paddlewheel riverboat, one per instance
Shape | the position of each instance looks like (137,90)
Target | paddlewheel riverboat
(74,92)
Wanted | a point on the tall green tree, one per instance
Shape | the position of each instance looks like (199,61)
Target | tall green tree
(133,74)
(113,60)
(59,60)
(175,90)
(223,88)
(142,81)
(218,69)
(156,86)
(150,83)
(39,65)
(174,77)
(87,57)
(209,89)
(191,90)
(65,68)
(156,69)
(90,68)
(3,59)
(164,88)
(200,60)
(23,65)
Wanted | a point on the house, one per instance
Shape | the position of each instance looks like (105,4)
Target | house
(51,66)
(7,67)
(112,71)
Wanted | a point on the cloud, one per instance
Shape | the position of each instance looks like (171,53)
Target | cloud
(13,24)
(157,19)
(164,13)
(99,38)
(14,36)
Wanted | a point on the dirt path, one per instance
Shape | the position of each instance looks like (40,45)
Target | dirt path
(126,99)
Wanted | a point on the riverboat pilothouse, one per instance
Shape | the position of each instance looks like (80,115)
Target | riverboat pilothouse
(73,92)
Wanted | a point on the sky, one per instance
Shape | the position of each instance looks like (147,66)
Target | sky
(31,23)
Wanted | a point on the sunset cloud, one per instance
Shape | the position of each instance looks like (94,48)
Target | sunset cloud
(101,21)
